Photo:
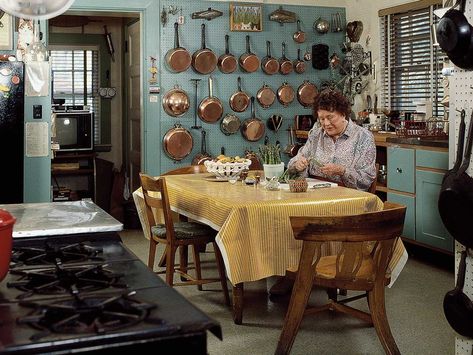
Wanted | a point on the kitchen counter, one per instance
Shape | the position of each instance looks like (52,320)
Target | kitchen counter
(419,141)
(55,218)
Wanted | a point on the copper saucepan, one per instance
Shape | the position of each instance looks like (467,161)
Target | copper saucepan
(299,35)
(230,124)
(285,94)
(253,128)
(269,64)
(306,94)
(177,59)
(299,65)
(178,142)
(227,62)
(210,109)
(265,96)
(249,61)
(240,100)
(204,61)
(176,102)
(285,65)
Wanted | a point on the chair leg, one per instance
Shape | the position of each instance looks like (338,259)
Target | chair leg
(198,271)
(221,272)
(152,253)
(380,321)
(162,261)
(299,298)
(183,260)
(170,255)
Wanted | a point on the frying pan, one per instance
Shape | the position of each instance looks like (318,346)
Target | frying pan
(249,62)
(286,94)
(176,102)
(454,32)
(457,306)
(177,142)
(265,96)
(227,62)
(456,195)
(230,124)
(252,128)
(204,61)
(306,94)
(210,109)
(240,100)
(178,59)
(299,35)
(269,64)
(285,65)
(299,65)
(202,155)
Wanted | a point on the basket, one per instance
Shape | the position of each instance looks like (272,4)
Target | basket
(432,129)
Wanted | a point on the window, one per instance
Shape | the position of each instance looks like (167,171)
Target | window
(75,79)
(411,64)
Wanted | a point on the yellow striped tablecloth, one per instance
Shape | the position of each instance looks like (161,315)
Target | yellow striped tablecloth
(255,235)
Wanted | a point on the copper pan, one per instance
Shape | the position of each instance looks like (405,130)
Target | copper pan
(285,65)
(265,96)
(285,94)
(230,124)
(227,62)
(240,100)
(178,143)
(210,109)
(204,61)
(249,62)
(269,64)
(299,65)
(176,102)
(299,35)
(177,59)
(252,128)
(306,94)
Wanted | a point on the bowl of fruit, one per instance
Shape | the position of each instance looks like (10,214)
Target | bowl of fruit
(225,167)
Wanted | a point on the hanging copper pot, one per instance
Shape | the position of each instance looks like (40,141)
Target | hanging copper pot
(240,100)
(285,65)
(265,96)
(299,65)
(204,61)
(249,61)
(177,59)
(252,128)
(306,93)
(286,94)
(227,62)
(176,102)
(178,143)
(210,109)
(269,64)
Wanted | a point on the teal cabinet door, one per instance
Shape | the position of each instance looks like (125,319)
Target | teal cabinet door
(401,170)
(409,230)
(429,227)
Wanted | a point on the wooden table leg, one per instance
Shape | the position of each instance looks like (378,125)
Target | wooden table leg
(237,299)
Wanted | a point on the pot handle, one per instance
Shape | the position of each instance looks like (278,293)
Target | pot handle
(239,83)
(210,86)
(284,50)
(227,50)
(268,49)
(253,114)
(248,51)
(176,35)
(203,36)
(203,146)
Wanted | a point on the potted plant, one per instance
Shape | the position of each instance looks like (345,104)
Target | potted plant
(270,157)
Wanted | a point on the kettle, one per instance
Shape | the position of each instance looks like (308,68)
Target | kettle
(6,230)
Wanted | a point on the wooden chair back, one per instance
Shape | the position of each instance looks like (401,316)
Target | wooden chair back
(372,188)
(368,235)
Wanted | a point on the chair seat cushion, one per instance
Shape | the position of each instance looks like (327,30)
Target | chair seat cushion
(326,268)
(184,230)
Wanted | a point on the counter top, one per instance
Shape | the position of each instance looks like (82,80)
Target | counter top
(55,218)
(419,141)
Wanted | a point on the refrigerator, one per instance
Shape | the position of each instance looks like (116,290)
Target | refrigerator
(11,131)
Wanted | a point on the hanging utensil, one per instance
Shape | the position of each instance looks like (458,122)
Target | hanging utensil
(208,14)
(211,108)
(299,35)
(252,128)
(196,84)
(230,124)
(110,48)
(308,54)
(274,123)
(269,64)
(249,62)
(282,16)
(202,156)
(177,59)
(299,64)
(285,94)
(306,94)
(178,142)
(285,65)
(321,25)
(227,62)
(265,96)
(240,100)
(204,61)
(176,102)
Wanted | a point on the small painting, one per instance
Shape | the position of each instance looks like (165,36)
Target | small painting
(6,31)
(246,17)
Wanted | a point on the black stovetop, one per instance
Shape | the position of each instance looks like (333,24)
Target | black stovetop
(108,299)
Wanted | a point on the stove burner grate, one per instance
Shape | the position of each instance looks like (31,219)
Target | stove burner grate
(48,255)
(97,314)
(65,280)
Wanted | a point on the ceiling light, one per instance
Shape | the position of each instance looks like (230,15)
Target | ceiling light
(35,9)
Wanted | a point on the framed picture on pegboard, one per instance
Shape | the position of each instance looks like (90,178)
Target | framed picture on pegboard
(246,17)
(6,31)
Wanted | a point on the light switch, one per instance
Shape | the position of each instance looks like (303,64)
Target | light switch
(37,112)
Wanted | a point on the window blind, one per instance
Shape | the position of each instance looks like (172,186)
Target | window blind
(411,64)
(75,76)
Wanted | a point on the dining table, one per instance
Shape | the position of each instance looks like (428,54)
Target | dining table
(254,231)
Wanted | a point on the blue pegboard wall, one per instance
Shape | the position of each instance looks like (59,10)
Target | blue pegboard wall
(224,85)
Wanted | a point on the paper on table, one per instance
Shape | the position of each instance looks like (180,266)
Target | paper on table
(313,184)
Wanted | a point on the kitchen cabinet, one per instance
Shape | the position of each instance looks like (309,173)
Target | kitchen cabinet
(401,169)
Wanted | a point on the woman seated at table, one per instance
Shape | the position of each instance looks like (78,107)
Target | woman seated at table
(339,150)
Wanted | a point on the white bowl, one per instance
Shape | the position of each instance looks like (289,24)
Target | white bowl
(225,171)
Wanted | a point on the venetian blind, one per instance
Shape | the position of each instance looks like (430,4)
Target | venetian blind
(411,64)
(75,79)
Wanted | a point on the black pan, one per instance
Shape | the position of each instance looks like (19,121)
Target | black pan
(457,306)
(456,196)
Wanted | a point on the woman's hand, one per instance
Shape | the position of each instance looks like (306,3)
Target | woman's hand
(333,169)
(301,164)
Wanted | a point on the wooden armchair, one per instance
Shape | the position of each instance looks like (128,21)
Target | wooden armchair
(178,234)
(367,245)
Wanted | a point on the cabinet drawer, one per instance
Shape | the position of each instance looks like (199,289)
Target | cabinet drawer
(409,230)
(431,159)
(429,227)
(401,169)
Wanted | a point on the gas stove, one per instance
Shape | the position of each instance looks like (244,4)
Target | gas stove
(89,293)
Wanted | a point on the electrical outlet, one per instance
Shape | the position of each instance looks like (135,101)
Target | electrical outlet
(37,112)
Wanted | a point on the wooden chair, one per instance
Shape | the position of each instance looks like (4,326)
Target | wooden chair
(178,234)
(354,268)
(372,188)
(190,169)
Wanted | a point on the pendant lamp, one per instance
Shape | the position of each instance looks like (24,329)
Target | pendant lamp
(35,9)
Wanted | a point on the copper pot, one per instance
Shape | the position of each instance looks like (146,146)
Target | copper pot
(240,100)
(269,64)
(306,93)
(252,128)
(227,62)
(249,62)
(230,124)
(176,102)
(177,59)
(265,96)
(285,94)
(210,109)
(285,65)
(299,35)
(178,143)
(204,61)
(299,65)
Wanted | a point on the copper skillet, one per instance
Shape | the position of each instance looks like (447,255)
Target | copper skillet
(204,61)
(299,35)
(306,94)
(265,96)
(285,65)
(269,65)
(285,94)
(252,128)
(249,62)
(178,143)
(299,65)
(210,109)
(177,59)
(240,100)
(227,62)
